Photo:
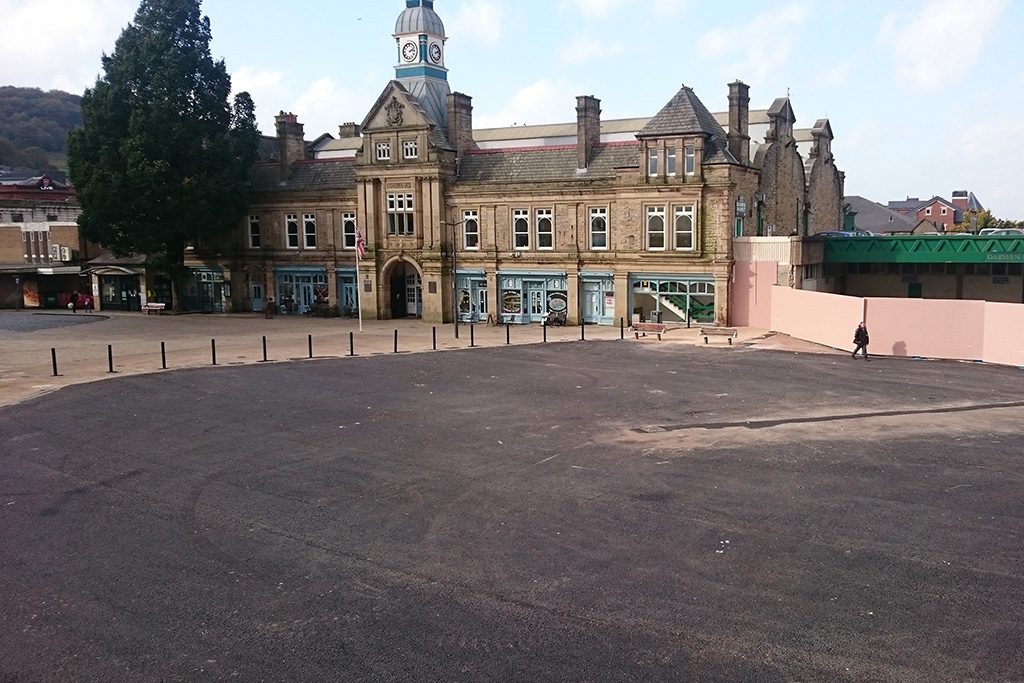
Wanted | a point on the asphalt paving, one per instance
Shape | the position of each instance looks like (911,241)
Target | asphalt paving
(606,511)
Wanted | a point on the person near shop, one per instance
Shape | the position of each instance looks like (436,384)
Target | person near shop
(860,340)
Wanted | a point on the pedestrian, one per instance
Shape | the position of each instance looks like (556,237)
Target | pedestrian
(269,308)
(860,339)
(73,302)
(88,304)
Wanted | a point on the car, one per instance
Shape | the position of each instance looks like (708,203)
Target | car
(844,233)
(1006,232)
(986,231)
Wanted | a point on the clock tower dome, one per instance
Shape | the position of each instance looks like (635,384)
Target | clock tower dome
(419,36)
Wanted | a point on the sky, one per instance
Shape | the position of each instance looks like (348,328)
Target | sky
(924,96)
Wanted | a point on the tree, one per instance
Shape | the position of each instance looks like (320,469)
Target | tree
(161,160)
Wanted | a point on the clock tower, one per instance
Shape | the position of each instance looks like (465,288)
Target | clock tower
(419,36)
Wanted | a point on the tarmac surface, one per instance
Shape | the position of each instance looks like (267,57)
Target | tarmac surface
(598,510)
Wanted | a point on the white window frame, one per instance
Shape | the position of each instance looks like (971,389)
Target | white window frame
(471,230)
(309,231)
(521,229)
(928,211)
(651,213)
(670,162)
(689,213)
(598,213)
(383,151)
(943,211)
(410,150)
(690,154)
(255,236)
(348,231)
(652,163)
(291,231)
(545,219)
(400,212)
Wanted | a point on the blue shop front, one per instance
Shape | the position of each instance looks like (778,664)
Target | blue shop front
(528,296)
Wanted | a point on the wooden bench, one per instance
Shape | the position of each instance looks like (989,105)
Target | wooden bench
(641,329)
(153,307)
(729,332)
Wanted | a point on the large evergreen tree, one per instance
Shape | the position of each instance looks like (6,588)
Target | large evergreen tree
(162,157)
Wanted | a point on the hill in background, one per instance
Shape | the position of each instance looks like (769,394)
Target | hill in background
(34,126)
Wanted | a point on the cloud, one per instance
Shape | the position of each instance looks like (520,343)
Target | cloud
(584,49)
(595,9)
(941,41)
(53,45)
(835,76)
(667,9)
(479,22)
(759,47)
(540,102)
(990,169)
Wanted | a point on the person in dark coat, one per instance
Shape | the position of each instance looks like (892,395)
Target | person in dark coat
(73,302)
(860,339)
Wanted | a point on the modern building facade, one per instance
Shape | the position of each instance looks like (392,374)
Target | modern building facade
(600,219)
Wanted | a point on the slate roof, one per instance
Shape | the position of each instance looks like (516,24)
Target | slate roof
(877,218)
(685,114)
(546,163)
(318,174)
(972,202)
(909,204)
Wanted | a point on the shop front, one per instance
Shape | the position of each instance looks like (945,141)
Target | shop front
(471,295)
(348,293)
(597,298)
(119,292)
(528,297)
(297,288)
(204,290)
(672,298)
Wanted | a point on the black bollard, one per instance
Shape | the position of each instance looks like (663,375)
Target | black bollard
(396,341)
(583,332)
(508,334)
(53,359)
(310,337)
(264,349)
(351,343)
(472,335)
(433,336)
(622,328)
(163,356)
(545,328)
(213,350)
(110,359)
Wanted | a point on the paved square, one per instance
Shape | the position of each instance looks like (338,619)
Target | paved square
(586,511)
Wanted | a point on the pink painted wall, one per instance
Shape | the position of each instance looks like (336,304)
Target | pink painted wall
(1004,334)
(930,328)
(828,319)
(750,301)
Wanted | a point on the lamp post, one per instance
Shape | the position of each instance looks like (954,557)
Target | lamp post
(455,279)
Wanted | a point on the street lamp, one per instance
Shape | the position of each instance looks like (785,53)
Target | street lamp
(455,279)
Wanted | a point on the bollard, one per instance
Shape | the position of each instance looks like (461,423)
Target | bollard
(622,328)
(351,343)
(264,349)
(508,334)
(545,328)
(472,335)
(53,359)
(110,359)
(163,356)
(433,335)
(310,337)
(396,341)
(583,331)
(213,350)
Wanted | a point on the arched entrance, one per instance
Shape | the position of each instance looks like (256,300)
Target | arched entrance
(405,290)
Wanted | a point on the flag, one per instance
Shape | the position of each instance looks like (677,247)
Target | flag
(360,244)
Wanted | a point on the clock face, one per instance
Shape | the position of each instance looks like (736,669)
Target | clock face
(435,53)
(409,51)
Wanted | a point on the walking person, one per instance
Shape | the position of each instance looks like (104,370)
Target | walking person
(860,339)
(73,302)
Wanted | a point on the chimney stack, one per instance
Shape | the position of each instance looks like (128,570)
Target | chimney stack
(460,122)
(290,145)
(739,121)
(588,128)
(349,130)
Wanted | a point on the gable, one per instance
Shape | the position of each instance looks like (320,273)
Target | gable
(395,109)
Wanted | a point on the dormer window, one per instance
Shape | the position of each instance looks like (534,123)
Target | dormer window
(691,160)
(670,161)
(410,149)
(383,151)
(652,162)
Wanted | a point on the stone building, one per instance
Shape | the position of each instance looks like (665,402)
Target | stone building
(600,219)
